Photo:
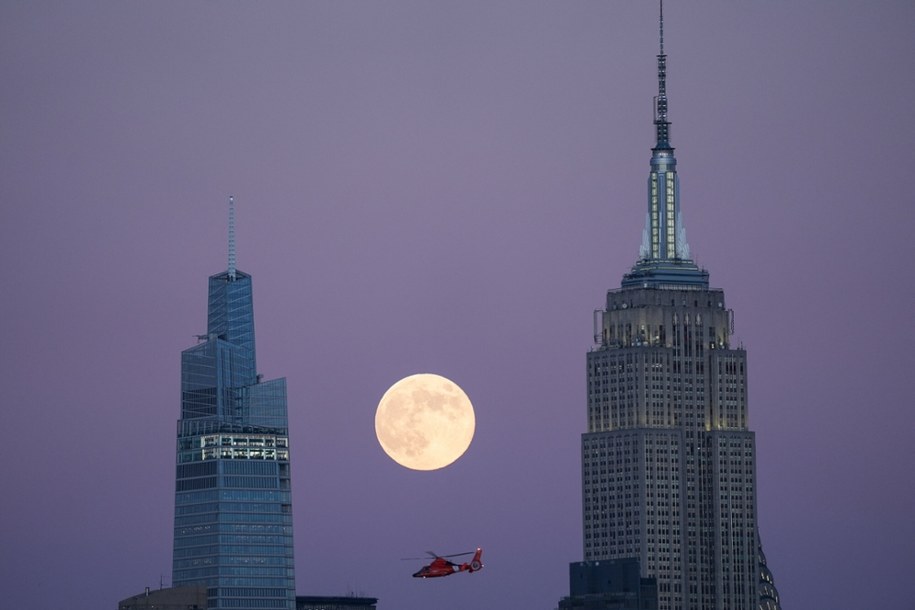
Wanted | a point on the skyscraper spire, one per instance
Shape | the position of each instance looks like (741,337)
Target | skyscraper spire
(231,238)
(664,257)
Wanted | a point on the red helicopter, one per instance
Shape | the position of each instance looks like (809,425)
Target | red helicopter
(440,566)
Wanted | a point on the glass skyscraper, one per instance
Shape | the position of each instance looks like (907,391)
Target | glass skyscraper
(668,459)
(233,508)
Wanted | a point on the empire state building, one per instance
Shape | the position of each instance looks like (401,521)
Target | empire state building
(668,461)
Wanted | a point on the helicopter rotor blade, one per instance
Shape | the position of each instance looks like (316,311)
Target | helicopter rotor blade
(437,556)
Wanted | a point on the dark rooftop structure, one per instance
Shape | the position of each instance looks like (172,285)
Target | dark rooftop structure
(318,602)
(609,585)
(173,598)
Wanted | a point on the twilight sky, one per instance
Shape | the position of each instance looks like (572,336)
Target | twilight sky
(446,187)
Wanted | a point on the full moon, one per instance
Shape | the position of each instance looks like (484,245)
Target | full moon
(424,422)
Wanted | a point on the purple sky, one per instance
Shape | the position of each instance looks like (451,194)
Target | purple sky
(445,187)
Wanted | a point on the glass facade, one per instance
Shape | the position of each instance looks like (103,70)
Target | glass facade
(233,509)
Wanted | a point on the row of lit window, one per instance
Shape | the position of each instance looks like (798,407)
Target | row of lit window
(259,440)
(244,454)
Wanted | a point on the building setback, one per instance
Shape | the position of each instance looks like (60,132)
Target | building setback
(233,509)
(668,460)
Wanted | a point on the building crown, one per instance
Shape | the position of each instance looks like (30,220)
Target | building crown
(664,257)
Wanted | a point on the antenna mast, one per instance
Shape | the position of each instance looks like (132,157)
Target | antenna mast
(662,125)
(231,238)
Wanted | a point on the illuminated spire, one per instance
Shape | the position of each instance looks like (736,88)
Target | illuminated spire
(664,256)
(231,238)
